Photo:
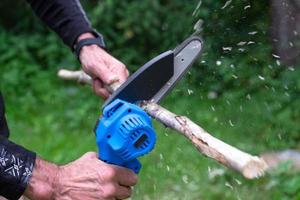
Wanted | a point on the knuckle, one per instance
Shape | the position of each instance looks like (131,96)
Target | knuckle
(110,172)
(91,65)
(89,154)
(128,192)
(98,92)
(134,179)
(124,70)
(119,65)
(110,191)
(131,175)
(122,66)
(88,67)
(125,192)
(85,68)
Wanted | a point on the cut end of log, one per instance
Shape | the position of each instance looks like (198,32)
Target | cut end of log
(255,168)
(61,73)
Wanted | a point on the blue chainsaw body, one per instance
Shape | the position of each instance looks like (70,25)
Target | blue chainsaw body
(124,133)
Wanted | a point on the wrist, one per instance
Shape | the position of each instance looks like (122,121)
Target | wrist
(43,181)
(85,36)
(88,39)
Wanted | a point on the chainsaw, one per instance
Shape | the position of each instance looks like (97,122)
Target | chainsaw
(125,132)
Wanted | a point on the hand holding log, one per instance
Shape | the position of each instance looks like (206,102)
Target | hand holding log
(249,166)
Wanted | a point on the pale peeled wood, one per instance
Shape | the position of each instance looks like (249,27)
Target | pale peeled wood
(78,76)
(83,78)
(249,166)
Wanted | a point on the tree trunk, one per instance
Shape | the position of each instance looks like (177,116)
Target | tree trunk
(285,30)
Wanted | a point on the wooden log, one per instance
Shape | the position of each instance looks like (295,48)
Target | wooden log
(249,166)
(78,76)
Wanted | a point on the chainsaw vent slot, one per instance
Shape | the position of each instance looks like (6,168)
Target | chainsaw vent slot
(132,122)
(140,121)
(124,132)
(128,125)
(111,111)
(137,121)
(140,143)
(125,154)
(124,127)
(145,144)
(134,135)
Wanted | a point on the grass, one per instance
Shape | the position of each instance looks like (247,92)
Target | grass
(58,124)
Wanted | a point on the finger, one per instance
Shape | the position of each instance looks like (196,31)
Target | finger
(127,73)
(99,89)
(123,192)
(124,75)
(104,73)
(119,69)
(126,177)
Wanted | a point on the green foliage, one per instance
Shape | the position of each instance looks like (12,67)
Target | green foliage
(256,104)
(137,31)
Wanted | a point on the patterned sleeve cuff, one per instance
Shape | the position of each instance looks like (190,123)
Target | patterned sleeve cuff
(16,166)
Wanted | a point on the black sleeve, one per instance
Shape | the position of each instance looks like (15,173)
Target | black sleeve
(65,17)
(16,163)
(3,125)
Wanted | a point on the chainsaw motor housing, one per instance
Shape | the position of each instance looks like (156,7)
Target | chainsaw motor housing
(124,133)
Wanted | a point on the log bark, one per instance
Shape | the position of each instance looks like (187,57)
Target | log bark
(249,166)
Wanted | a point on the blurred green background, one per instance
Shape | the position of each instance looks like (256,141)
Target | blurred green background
(237,91)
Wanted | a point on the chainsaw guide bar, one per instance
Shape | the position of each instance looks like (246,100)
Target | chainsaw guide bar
(157,77)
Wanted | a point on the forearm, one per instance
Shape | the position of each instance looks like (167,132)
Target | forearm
(43,181)
(16,166)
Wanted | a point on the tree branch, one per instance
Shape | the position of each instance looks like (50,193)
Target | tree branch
(249,166)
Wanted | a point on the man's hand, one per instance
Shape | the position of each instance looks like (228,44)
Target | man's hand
(86,178)
(101,66)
